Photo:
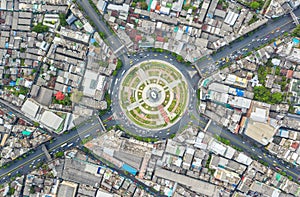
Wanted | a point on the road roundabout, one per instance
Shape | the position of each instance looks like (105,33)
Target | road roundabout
(153,95)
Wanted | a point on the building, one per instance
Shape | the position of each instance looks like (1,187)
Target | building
(30,108)
(294,55)
(67,188)
(51,120)
(195,185)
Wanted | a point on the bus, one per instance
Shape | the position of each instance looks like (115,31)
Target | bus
(65,144)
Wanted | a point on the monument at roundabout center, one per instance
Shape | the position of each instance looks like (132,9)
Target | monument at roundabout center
(153,95)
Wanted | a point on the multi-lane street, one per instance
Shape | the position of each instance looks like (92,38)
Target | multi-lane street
(116,116)
(73,138)
(273,29)
(111,38)
(255,151)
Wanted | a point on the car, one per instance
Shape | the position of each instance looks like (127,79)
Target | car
(155,55)
(260,157)
(277,168)
(243,142)
(166,56)
(253,149)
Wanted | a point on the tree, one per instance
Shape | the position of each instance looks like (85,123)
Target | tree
(276,98)
(119,64)
(96,44)
(59,154)
(261,93)
(40,28)
(254,5)
(22,50)
(102,35)
(62,19)
(36,124)
(144,5)
(179,58)
(296,31)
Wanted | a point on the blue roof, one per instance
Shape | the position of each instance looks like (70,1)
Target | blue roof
(71,19)
(69,89)
(12,83)
(99,169)
(296,40)
(93,40)
(187,29)
(239,92)
(129,169)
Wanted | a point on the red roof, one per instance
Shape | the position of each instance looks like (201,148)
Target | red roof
(289,74)
(295,145)
(138,38)
(159,38)
(59,96)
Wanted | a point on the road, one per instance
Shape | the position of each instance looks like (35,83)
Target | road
(90,128)
(116,116)
(74,136)
(265,33)
(128,176)
(111,38)
(256,152)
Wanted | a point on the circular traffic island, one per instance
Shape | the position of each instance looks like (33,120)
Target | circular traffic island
(153,94)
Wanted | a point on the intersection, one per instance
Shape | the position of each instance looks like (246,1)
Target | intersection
(192,115)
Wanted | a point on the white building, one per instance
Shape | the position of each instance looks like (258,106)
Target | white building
(294,55)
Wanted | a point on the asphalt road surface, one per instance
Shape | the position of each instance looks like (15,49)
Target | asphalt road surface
(111,38)
(73,137)
(91,127)
(190,117)
(273,29)
(255,151)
